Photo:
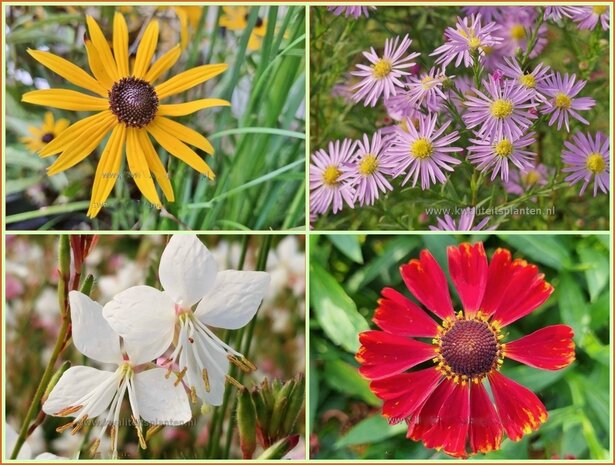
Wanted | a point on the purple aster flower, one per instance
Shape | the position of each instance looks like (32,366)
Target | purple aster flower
(503,111)
(425,91)
(519,181)
(557,13)
(466,220)
(382,76)
(588,158)
(468,38)
(488,13)
(534,80)
(326,185)
(515,30)
(367,169)
(562,102)
(424,152)
(348,11)
(494,154)
(587,17)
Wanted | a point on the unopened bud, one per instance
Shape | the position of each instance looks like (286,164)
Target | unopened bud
(64,257)
(295,404)
(280,448)
(86,287)
(279,408)
(246,423)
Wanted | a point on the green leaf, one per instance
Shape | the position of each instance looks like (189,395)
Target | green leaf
(573,306)
(314,394)
(595,349)
(392,256)
(597,271)
(369,431)
(335,311)
(548,250)
(345,378)
(348,245)
(533,379)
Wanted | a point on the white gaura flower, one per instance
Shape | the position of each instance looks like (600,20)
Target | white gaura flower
(145,316)
(86,393)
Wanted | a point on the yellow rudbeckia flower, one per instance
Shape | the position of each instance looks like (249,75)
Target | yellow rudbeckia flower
(129,106)
(235,18)
(189,17)
(49,130)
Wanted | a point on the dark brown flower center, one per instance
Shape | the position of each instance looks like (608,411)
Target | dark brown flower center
(259,20)
(133,101)
(48,137)
(470,348)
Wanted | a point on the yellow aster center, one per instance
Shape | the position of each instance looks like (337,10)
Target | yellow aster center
(422,148)
(382,68)
(531,177)
(595,163)
(599,9)
(427,82)
(473,42)
(501,108)
(562,101)
(527,80)
(517,32)
(487,50)
(331,175)
(368,165)
(504,148)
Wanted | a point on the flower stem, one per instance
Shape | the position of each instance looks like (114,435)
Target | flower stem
(533,38)
(60,344)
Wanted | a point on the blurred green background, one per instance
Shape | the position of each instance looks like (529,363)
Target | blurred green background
(347,273)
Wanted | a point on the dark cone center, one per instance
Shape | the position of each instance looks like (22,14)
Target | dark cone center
(47,138)
(470,348)
(133,101)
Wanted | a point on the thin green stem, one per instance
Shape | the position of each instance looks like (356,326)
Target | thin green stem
(533,38)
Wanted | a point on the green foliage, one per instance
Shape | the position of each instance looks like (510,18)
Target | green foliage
(344,414)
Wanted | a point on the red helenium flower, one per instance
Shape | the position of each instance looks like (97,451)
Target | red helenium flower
(446,405)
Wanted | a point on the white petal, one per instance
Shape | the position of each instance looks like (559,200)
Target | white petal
(25,453)
(187,269)
(76,383)
(145,318)
(234,299)
(160,401)
(216,374)
(92,334)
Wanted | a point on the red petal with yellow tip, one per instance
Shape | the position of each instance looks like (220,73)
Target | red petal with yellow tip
(450,433)
(396,314)
(468,267)
(426,280)
(485,427)
(549,348)
(527,290)
(427,416)
(520,410)
(403,394)
(383,354)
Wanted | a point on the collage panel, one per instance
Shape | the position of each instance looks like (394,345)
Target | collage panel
(427,347)
(460,118)
(154,117)
(155,347)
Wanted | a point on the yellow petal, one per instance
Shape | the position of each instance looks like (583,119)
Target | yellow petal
(82,145)
(153,160)
(189,79)
(48,124)
(102,46)
(68,71)
(96,65)
(139,169)
(181,109)
(183,23)
(120,44)
(65,99)
(184,133)
(62,141)
(60,126)
(108,169)
(146,49)
(163,64)
(180,150)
